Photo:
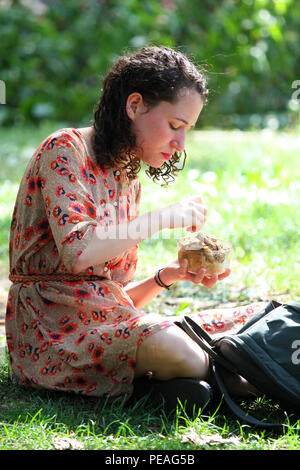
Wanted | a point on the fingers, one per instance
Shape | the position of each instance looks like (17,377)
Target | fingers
(183,264)
(183,270)
(187,276)
(198,202)
(199,207)
(189,213)
(197,199)
(208,280)
(224,274)
(199,212)
(212,279)
(199,277)
(195,203)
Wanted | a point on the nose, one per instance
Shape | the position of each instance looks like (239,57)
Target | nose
(178,142)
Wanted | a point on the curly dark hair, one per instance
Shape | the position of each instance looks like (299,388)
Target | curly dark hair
(158,74)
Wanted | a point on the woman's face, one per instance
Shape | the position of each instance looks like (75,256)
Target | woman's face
(161,130)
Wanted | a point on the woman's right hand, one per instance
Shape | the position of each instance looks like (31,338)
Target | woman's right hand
(190,213)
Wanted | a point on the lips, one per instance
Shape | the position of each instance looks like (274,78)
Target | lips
(166,156)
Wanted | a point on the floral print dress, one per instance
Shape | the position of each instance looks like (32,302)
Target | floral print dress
(78,335)
(72,335)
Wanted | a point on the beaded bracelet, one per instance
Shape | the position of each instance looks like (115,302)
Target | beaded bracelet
(158,280)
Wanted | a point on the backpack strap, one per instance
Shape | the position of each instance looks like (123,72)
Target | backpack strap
(239,412)
(294,305)
(203,340)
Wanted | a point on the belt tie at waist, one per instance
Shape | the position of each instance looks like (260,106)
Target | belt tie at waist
(17,278)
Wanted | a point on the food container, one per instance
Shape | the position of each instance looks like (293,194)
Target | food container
(204,251)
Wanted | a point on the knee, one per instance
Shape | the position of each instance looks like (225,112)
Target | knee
(158,355)
(170,358)
(171,353)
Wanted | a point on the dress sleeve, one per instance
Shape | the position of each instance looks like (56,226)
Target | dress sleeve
(66,176)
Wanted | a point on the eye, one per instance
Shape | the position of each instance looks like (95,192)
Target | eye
(174,128)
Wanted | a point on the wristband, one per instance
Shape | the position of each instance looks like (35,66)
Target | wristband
(158,280)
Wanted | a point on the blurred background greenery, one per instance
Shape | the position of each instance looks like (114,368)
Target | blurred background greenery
(243,157)
(53,55)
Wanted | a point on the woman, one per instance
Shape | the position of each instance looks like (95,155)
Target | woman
(73,321)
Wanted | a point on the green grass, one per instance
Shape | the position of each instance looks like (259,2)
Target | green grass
(250,182)
(42,420)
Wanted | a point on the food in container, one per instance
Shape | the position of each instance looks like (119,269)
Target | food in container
(204,251)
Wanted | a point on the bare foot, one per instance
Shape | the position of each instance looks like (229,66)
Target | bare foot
(238,386)
(235,384)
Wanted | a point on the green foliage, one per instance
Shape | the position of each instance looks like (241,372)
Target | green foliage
(252,53)
(53,60)
(54,54)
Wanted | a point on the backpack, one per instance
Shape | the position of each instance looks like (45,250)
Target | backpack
(265,351)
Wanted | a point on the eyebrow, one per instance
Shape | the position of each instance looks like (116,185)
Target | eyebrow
(183,120)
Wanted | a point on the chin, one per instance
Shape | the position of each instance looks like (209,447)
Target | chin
(158,165)
(153,164)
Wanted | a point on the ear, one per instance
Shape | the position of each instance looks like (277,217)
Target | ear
(135,105)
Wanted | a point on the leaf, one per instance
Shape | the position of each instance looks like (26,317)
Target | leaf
(64,443)
(209,440)
(183,306)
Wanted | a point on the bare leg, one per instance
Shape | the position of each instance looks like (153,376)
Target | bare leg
(171,353)
(237,385)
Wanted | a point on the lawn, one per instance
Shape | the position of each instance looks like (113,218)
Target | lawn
(250,183)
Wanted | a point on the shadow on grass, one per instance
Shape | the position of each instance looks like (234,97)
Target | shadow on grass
(100,417)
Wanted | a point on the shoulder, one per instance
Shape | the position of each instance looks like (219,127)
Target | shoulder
(66,138)
(64,145)
(60,155)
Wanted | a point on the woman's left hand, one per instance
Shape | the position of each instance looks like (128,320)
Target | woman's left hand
(178,272)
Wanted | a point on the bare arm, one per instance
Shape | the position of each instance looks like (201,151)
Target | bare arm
(107,243)
(142,292)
